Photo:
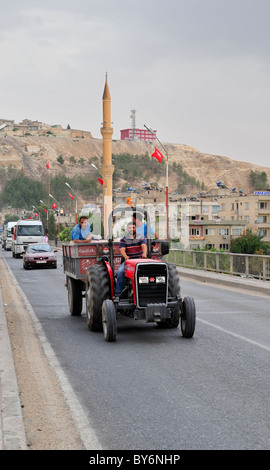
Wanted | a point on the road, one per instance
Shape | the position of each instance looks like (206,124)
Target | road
(154,390)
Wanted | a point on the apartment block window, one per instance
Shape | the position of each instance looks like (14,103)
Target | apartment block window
(246,205)
(194,232)
(216,209)
(262,205)
(247,218)
(262,219)
(237,232)
(232,206)
(262,233)
(222,207)
(209,246)
(224,246)
(223,231)
(210,231)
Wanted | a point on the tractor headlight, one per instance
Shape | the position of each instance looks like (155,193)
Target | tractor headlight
(160,279)
(143,280)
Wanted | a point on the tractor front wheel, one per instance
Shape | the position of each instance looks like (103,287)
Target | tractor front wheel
(188,317)
(109,320)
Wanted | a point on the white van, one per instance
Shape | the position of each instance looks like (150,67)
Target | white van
(25,232)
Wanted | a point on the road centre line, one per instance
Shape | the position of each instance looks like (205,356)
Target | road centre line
(235,335)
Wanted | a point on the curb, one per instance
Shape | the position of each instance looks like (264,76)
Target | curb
(12,433)
(222,280)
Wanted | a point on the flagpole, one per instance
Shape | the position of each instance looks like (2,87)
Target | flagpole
(167,181)
(50,195)
(48,168)
(76,207)
(37,212)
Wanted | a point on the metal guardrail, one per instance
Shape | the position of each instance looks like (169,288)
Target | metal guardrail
(252,266)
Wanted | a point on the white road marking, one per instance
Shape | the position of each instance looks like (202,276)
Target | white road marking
(235,335)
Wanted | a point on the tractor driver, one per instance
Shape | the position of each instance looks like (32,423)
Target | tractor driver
(131,246)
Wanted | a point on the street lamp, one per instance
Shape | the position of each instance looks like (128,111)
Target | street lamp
(105,221)
(167,180)
(58,213)
(75,199)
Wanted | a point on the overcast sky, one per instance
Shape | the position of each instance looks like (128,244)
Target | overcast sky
(197,71)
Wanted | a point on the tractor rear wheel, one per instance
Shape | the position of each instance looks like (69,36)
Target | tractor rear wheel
(97,290)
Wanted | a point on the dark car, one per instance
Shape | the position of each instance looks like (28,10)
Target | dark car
(39,255)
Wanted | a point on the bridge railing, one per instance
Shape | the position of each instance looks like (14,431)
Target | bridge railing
(254,266)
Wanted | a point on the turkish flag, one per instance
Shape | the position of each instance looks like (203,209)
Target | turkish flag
(54,206)
(48,165)
(100,180)
(45,210)
(35,214)
(157,155)
(70,195)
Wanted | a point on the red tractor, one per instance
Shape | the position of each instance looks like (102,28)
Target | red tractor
(151,292)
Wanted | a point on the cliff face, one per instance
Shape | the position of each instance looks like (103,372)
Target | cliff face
(30,154)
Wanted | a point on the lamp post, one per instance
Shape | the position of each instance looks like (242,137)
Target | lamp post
(75,200)
(58,214)
(167,181)
(47,230)
(104,206)
(37,212)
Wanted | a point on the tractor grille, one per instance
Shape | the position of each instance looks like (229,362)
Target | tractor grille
(151,280)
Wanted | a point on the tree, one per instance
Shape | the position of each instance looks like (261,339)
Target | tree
(259,180)
(250,244)
(11,218)
(60,159)
(22,192)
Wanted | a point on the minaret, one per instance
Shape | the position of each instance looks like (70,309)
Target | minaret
(107,168)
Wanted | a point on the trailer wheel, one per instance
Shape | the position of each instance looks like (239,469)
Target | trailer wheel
(109,320)
(173,291)
(74,296)
(188,317)
(97,290)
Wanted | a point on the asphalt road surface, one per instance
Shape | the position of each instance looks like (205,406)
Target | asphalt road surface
(154,390)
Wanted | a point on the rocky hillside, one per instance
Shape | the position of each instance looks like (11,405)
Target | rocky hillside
(30,154)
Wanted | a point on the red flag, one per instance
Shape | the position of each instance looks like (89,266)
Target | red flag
(35,214)
(45,210)
(54,206)
(70,195)
(48,165)
(157,155)
(100,180)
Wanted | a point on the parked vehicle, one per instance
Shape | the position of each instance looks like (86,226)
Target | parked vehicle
(152,290)
(7,235)
(24,233)
(39,255)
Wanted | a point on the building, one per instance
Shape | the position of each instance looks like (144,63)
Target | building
(216,234)
(253,209)
(138,134)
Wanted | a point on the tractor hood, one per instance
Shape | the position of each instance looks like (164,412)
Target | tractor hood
(130,265)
